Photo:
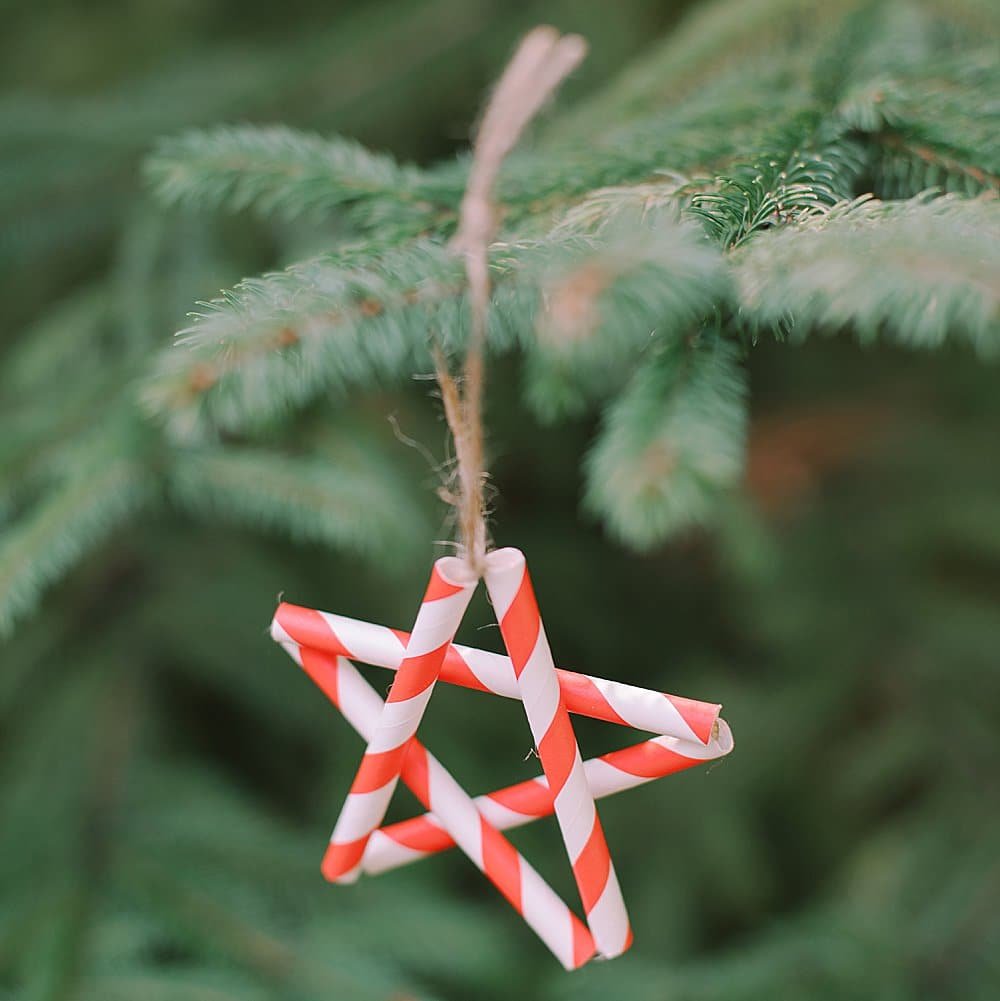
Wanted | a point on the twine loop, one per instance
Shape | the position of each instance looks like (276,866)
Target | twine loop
(542,61)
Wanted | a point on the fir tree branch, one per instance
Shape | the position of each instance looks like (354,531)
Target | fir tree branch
(804,177)
(692,137)
(278,171)
(715,39)
(906,166)
(73,518)
(356,503)
(919,272)
(649,279)
(671,444)
(271,344)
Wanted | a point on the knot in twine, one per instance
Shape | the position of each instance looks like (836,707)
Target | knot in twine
(542,61)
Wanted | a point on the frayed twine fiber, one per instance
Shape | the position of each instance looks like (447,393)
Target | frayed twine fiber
(542,61)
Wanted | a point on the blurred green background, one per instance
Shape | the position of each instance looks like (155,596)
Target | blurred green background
(168,778)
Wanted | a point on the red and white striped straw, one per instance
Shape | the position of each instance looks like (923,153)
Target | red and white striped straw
(418,837)
(514,604)
(448,593)
(540,906)
(613,701)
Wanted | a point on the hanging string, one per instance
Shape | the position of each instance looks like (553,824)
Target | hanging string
(541,62)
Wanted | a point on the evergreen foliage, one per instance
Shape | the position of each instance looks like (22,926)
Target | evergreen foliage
(671,439)
(768,172)
(797,248)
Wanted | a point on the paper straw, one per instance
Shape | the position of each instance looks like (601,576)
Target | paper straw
(613,701)
(521,803)
(448,593)
(510,590)
(411,840)
(540,906)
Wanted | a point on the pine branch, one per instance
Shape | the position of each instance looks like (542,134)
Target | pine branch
(356,503)
(933,123)
(805,176)
(714,39)
(904,167)
(672,444)
(648,280)
(714,126)
(919,272)
(278,171)
(271,344)
(72,520)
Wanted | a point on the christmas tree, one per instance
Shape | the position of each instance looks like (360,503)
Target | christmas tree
(776,211)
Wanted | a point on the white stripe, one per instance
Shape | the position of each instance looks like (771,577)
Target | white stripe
(368,643)
(576,811)
(350,876)
(384,853)
(292,649)
(605,780)
(505,570)
(455,810)
(362,811)
(645,710)
(540,689)
(398,722)
(494,670)
(436,623)
(608,919)
(278,633)
(546,913)
(359,702)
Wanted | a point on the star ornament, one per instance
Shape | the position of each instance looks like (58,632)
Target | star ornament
(688,733)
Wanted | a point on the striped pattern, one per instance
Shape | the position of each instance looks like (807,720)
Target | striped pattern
(689,733)
(510,590)
(448,594)
(612,701)
(540,906)
(411,840)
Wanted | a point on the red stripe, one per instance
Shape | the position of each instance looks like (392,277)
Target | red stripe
(649,760)
(530,798)
(583,942)
(585,698)
(308,628)
(415,773)
(322,668)
(419,834)
(521,625)
(342,858)
(592,867)
(438,587)
(456,671)
(501,863)
(558,751)
(416,674)
(700,716)
(377,769)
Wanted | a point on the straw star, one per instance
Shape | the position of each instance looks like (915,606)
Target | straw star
(689,733)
